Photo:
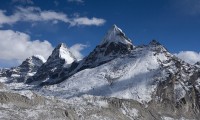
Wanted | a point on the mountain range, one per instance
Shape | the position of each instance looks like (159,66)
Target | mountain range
(117,80)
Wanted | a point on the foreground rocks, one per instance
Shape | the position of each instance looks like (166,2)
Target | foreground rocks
(17,107)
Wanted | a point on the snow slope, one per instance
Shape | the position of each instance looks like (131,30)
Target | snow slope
(129,76)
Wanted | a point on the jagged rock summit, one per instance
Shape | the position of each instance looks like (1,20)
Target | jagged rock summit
(32,62)
(27,69)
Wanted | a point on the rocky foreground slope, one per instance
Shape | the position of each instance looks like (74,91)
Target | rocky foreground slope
(16,106)
(117,80)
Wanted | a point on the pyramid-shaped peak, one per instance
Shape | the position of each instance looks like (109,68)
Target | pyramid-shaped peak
(62,52)
(116,35)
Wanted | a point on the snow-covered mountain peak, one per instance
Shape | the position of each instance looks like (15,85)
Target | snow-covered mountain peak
(116,35)
(62,52)
(27,69)
(114,44)
(157,47)
(60,58)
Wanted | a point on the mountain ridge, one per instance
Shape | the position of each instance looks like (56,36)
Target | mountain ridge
(148,74)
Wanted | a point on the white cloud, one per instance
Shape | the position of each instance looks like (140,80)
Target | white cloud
(87,21)
(76,50)
(78,1)
(8,19)
(17,46)
(35,14)
(189,56)
(23,1)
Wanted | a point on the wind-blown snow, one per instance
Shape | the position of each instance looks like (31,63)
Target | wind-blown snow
(41,58)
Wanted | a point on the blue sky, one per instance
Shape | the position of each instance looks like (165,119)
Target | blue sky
(174,23)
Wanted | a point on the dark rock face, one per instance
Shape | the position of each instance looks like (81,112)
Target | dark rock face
(31,64)
(197,64)
(114,44)
(106,52)
(56,62)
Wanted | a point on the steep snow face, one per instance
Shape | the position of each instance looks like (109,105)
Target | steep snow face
(62,52)
(131,76)
(116,35)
